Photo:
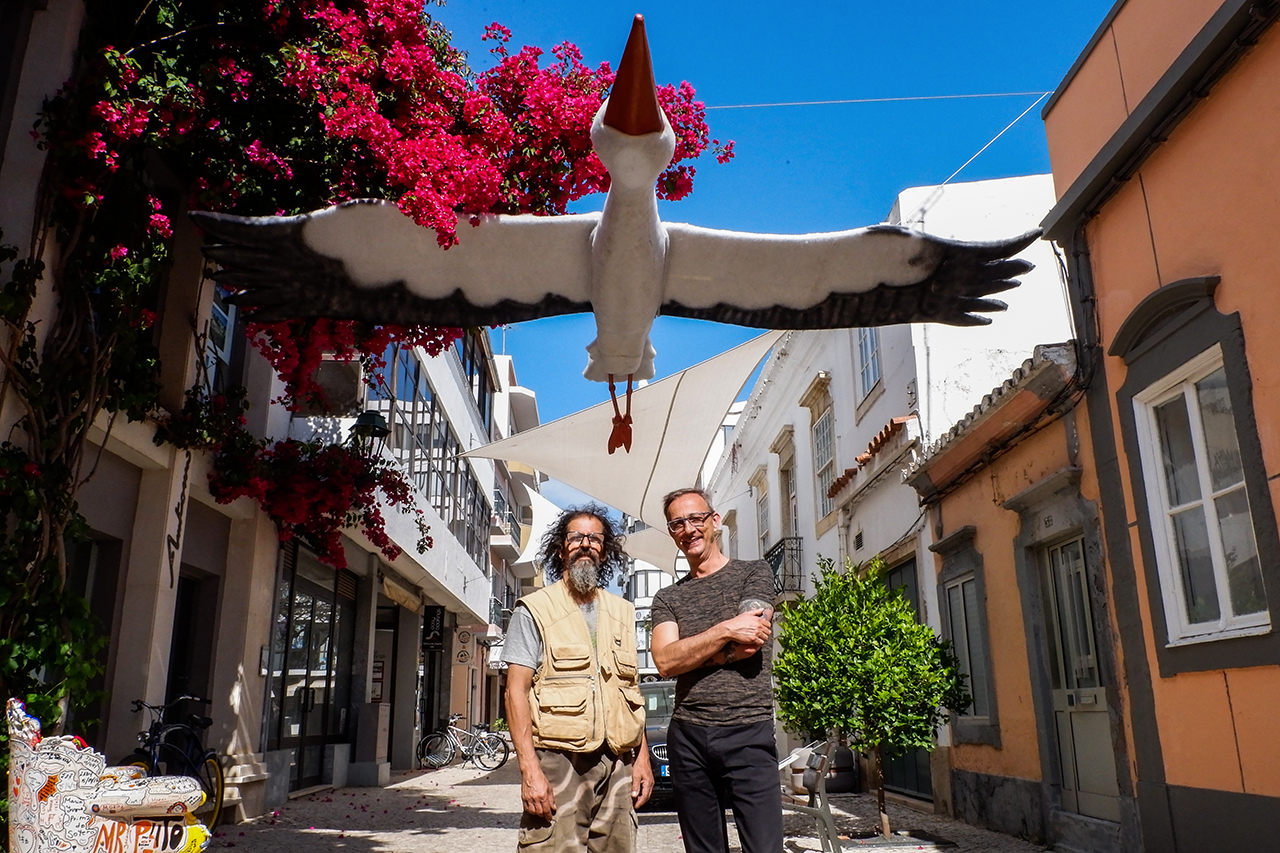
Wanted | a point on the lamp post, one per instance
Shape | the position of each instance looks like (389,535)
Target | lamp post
(369,434)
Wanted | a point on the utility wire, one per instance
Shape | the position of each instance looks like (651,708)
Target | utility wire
(918,214)
(880,100)
(997,136)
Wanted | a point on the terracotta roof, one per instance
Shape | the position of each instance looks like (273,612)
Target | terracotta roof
(1039,379)
(840,482)
(882,438)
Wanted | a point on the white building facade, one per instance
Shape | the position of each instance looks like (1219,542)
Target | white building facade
(813,466)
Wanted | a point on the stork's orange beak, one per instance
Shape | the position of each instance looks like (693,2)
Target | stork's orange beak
(633,103)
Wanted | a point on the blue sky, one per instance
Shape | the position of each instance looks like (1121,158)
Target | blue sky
(810,168)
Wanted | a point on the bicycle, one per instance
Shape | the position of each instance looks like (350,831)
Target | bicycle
(488,750)
(175,749)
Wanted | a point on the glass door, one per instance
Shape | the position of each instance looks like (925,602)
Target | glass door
(310,673)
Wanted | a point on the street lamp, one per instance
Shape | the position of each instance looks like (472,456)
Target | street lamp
(369,434)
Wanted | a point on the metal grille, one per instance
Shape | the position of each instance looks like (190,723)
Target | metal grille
(659,751)
(787,561)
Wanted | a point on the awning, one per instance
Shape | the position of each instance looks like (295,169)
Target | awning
(675,421)
(401,594)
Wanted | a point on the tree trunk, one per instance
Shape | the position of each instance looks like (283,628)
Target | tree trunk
(877,769)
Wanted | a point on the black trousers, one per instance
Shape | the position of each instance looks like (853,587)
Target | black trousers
(719,767)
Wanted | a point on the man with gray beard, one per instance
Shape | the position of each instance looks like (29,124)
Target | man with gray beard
(573,702)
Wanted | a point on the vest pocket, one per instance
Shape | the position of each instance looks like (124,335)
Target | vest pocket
(627,666)
(571,656)
(563,712)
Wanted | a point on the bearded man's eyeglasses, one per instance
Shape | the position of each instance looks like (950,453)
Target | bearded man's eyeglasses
(697,520)
(575,539)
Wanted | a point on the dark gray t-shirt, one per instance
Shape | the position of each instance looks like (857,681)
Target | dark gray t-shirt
(720,695)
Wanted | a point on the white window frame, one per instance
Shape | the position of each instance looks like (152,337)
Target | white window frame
(1181,382)
(762,521)
(868,360)
(824,469)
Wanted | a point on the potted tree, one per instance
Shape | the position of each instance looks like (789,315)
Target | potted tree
(854,660)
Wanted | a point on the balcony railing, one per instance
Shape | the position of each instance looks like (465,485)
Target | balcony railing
(504,517)
(786,558)
(499,614)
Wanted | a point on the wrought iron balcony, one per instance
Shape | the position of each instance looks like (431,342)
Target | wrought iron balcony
(786,558)
(499,614)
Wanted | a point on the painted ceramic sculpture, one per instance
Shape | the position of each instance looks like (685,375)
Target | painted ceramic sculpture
(64,799)
(364,260)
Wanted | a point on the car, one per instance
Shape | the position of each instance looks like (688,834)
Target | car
(659,702)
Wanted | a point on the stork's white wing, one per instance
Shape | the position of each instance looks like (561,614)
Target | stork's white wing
(367,261)
(865,277)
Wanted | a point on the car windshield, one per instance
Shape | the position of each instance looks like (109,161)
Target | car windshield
(659,701)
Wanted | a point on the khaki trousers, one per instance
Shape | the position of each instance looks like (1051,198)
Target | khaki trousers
(594,813)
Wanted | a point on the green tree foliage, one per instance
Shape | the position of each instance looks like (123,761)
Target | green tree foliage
(855,660)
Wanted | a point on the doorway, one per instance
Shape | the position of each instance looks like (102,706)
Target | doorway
(1081,720)
(310,690)
(909,772)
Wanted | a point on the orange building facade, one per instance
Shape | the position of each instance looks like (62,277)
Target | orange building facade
(1127,646)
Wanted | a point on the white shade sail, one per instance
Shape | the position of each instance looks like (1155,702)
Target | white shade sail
(545,514)
(655,546)
(675,421)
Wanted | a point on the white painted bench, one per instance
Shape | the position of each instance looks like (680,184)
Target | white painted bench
(63,798)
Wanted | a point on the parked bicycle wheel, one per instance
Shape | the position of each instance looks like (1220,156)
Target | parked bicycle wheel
(434,750)
(209,774)
(490,752)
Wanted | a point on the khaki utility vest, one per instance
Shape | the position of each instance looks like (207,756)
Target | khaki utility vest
(581,698)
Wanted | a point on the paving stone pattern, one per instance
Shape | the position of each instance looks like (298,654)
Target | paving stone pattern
(460,809)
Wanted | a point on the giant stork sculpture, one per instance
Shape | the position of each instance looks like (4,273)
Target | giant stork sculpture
(365,260)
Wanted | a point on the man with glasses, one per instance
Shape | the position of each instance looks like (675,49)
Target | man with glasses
(712,630)
(573,703)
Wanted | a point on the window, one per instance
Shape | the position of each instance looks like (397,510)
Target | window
(473,355)
(962,600)
(962,608)
(642,639)
(1206,549)
(824,461)
(762,520)
(868,360)
(790,523)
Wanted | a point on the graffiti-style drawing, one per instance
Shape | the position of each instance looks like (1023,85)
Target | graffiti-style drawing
(64,799)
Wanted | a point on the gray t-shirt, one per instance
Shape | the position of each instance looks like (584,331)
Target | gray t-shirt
(523,644)
(739,693)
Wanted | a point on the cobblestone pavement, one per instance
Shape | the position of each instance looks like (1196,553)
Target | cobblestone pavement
(463,810)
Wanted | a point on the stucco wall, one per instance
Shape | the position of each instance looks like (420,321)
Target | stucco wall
(1129,55)
(978,503)
(1205,203)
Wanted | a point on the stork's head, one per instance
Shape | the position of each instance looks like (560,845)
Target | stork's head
(631,135)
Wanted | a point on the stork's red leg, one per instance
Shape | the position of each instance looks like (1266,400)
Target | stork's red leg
(621,435)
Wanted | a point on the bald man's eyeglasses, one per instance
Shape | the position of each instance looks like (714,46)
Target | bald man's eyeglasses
(697,520)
